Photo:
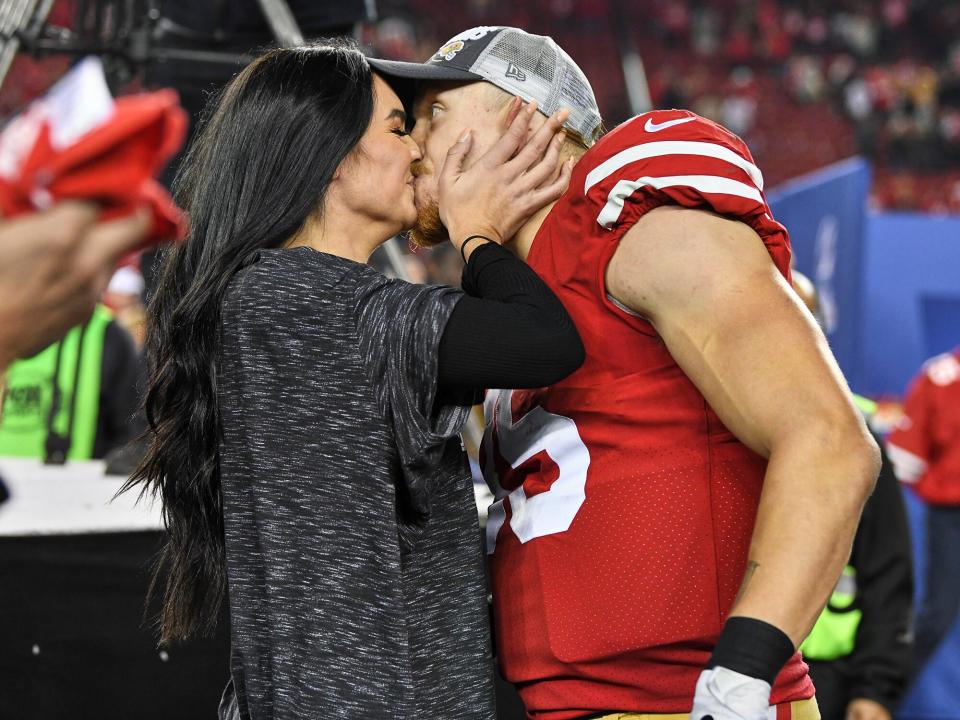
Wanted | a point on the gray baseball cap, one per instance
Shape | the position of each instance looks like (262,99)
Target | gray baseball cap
(532,67)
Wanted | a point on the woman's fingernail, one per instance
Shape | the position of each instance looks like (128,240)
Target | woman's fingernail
(464,135)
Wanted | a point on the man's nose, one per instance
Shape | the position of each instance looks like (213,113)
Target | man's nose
(415,151)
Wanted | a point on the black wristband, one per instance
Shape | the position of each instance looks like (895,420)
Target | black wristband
(752,647)
(469,238)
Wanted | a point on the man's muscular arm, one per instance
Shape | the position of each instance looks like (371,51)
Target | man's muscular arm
(735,327)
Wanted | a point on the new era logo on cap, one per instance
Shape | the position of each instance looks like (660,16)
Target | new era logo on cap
(515,73)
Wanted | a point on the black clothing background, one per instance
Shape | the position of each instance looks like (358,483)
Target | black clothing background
(880,663)
(122,378)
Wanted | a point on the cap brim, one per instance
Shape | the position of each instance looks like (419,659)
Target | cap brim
(420,71)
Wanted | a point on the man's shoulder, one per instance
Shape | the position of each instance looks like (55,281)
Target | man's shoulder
(668,157)
(664,134)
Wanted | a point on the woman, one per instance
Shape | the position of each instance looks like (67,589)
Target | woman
(305,409)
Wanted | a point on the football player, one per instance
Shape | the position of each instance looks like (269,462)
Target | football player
(672,517)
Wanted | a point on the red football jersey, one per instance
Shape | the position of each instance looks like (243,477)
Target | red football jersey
(620,537)
(925,447)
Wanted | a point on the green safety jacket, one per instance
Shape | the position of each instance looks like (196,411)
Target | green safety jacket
(52,400)
(835,633)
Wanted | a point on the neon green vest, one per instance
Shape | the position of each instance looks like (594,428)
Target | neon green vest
(835,633)
(24,429)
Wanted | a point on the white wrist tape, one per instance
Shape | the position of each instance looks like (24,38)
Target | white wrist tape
(723,694)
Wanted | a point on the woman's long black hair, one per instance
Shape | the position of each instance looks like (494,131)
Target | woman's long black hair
(258,169)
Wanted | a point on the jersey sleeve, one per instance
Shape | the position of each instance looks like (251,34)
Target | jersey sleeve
(399,327)
(677,157)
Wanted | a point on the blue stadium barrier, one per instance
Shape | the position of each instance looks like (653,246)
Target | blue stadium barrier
(912,297)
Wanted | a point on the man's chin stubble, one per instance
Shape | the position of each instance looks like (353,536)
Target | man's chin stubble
(429,230)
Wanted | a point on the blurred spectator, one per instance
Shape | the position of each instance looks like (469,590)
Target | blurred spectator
(805,78)
(124,297)
(396,39)
(925,450)
(77,398)
(124,290)
(705,30)
(675,18)
(666,89)
(856,30)
(738,111)
(738,47)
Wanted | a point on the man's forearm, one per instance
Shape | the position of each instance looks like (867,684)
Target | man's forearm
(813,493)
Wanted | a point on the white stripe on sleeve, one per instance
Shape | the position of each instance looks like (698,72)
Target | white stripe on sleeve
(671,147)
(709,184)
(907,466)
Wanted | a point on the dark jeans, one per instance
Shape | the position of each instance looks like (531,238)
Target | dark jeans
(941,601)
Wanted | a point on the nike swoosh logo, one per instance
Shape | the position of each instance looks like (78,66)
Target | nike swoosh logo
(651,126)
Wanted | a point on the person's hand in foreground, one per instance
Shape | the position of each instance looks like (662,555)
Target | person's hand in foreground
(53,267)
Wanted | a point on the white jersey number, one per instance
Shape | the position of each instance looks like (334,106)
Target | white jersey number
(548,512)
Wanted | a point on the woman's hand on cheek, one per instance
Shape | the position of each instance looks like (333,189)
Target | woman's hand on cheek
(517,177)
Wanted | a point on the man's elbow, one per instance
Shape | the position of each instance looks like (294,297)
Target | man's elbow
(837,452)
(857,453)
(869,454)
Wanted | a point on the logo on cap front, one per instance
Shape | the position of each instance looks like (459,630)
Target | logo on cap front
(515,73)
(448,52)
(455,44)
